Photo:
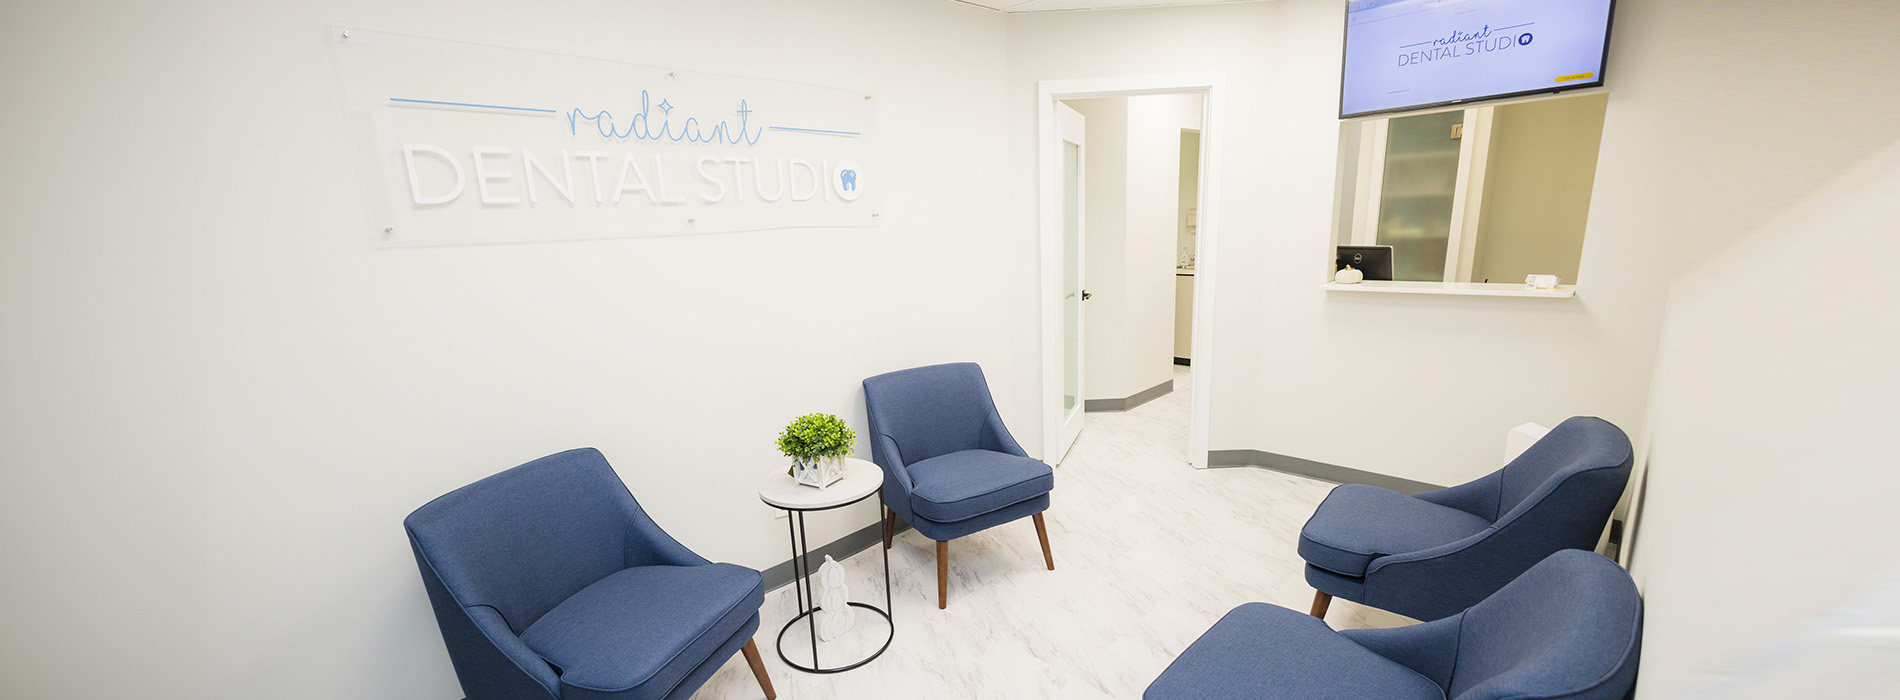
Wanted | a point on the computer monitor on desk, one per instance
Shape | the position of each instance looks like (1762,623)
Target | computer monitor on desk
(1373,260)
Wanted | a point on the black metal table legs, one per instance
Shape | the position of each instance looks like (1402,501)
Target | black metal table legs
(808,603)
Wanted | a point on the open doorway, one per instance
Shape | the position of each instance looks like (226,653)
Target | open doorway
(1129,177)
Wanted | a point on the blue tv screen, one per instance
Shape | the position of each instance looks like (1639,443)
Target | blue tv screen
(1413,54)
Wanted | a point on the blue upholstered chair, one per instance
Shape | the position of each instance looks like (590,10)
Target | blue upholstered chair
(1434,554)
(950,466)
(1570,628)
(549,581)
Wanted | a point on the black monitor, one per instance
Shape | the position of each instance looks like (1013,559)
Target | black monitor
(1373,260)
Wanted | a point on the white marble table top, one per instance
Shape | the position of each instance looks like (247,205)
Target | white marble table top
(861,479)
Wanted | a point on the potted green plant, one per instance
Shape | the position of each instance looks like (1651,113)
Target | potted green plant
(817,444)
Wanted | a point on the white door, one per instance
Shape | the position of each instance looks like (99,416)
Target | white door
(1070,126)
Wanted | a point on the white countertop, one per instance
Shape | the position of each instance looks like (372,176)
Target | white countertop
(1478,289)
(861,479)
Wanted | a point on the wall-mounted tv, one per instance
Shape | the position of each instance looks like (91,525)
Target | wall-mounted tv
(1413,54)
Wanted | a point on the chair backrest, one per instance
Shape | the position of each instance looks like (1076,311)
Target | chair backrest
(929,411)
(1576,445)
(528,538)
(1570,628)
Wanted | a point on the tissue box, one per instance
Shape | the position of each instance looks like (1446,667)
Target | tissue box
(1541,281)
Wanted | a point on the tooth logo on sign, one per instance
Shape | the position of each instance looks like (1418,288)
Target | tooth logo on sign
(847,180)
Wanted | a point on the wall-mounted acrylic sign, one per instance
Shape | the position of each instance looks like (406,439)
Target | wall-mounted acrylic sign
(464,143)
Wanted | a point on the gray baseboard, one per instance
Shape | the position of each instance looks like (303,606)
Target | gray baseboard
(1123,404)
(1316,470)
(865,538)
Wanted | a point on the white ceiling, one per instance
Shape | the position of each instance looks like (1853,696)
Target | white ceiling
(1072,5)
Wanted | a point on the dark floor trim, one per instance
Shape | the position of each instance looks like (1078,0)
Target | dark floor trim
(865,538)
(1316,470)
(1184,362)
(1140,397)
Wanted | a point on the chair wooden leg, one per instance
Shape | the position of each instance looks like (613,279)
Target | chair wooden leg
(1321,600)
(943,575)
(1042,533)
(751,650)
(890,523)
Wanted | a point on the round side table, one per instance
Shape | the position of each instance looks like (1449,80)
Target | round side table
(861,480)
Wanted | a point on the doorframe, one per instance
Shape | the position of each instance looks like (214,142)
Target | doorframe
(1212,89)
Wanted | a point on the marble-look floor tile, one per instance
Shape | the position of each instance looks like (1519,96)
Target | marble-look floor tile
(1149,553)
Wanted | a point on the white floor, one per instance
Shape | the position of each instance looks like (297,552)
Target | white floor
(1149,553)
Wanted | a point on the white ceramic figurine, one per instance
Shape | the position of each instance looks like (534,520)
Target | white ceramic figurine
(834,611)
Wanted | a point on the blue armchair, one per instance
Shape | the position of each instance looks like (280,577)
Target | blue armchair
(1570,628)
(951,468)
(549,581)
(1434,554)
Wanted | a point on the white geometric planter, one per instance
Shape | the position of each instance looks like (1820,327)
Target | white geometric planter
(818,472)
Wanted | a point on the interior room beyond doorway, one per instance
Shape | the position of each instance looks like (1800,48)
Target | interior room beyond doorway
(1137,248)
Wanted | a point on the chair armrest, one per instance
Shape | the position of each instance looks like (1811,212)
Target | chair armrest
(897,483)
(490,624)
(1448,578)
(996,436)
(489,658)
(1429,649)
(1444,580)
(1580,503)
(886,454)
(648,545)
(1569,514)
(1479,498)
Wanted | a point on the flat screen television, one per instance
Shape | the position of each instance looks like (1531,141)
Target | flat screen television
(1405,55)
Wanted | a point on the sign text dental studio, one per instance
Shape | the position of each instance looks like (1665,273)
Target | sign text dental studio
(461,143)
(1462,43)
(716,166)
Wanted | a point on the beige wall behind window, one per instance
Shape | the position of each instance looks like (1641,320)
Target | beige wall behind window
(1537,190)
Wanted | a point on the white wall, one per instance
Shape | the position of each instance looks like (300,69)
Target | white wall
(1767,504)
(1767,520)
(1765,526)
(1418,388)
(219,402)
(1766,523)
(1154,212)
(216,403)
(1057,46)
(104,359)
(1434,380)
